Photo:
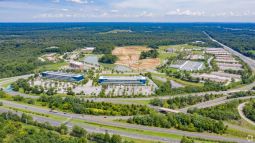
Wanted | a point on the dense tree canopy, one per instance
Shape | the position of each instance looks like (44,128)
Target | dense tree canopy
(21,44)
(249,110)
(180,121)
(227,111)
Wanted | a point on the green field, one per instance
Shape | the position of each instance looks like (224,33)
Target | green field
(177,80)
(51,67)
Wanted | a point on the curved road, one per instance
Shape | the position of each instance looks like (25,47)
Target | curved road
(240,110)
(105,121)
(212,103)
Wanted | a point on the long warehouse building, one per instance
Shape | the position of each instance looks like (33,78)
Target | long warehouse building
(62,76)
(123,80)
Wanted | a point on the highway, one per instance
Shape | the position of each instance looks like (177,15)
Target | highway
(93,129)
(122,100)
(212,103)
(246,59)
(108,121)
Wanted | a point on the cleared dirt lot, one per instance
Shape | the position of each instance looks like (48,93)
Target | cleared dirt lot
(129,56)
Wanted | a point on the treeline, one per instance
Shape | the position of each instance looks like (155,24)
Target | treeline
(184,101)
(227,111)
(108,59)
(241,94)
(79,106)
(195,123)
(242,40)
(149,54)
(12,125)
(208,86)
(25,86)
(21,44)
(183,75)
(249,110)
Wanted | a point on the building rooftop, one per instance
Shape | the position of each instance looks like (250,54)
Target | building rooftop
(123,77)
(62,74)
(89,48)
(76,63)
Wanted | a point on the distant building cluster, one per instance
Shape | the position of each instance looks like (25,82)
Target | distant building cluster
(88,49)
(224,59)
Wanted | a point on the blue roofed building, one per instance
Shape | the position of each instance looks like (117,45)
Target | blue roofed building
(122,80)
(62,76)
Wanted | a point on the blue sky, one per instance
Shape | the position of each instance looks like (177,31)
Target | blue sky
(127,10)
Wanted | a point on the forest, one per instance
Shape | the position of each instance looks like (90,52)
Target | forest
(227,111)
(22,43)
(240,37)
(181,102)
(23,129)
(195,123)
(79,106)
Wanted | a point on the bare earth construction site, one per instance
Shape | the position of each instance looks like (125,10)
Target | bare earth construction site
(130,56)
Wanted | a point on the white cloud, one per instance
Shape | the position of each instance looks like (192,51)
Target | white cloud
(186,13)
(114,11)
(79,1)
(131,10)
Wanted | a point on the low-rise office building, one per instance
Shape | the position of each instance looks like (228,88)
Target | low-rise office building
(62,76)
(76,65)
(123,80)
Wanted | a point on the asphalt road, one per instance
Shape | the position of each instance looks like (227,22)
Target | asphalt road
(92,129)
(106,120)
(212,103)
(240,111)
(246,59)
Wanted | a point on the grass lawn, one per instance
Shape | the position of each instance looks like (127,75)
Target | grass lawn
(51,67)
(107,66)
(139,140)
(178,80)
(238,133)
(5,85)
(142,102)
(177,47)
(129,130)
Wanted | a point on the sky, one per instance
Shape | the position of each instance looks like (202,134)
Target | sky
(127,10)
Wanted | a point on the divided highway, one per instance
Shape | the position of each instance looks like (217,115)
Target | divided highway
(246,59)
(108,121)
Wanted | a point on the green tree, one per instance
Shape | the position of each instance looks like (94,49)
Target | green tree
(116,139)
(187,140)
(78,132)
(107,137)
